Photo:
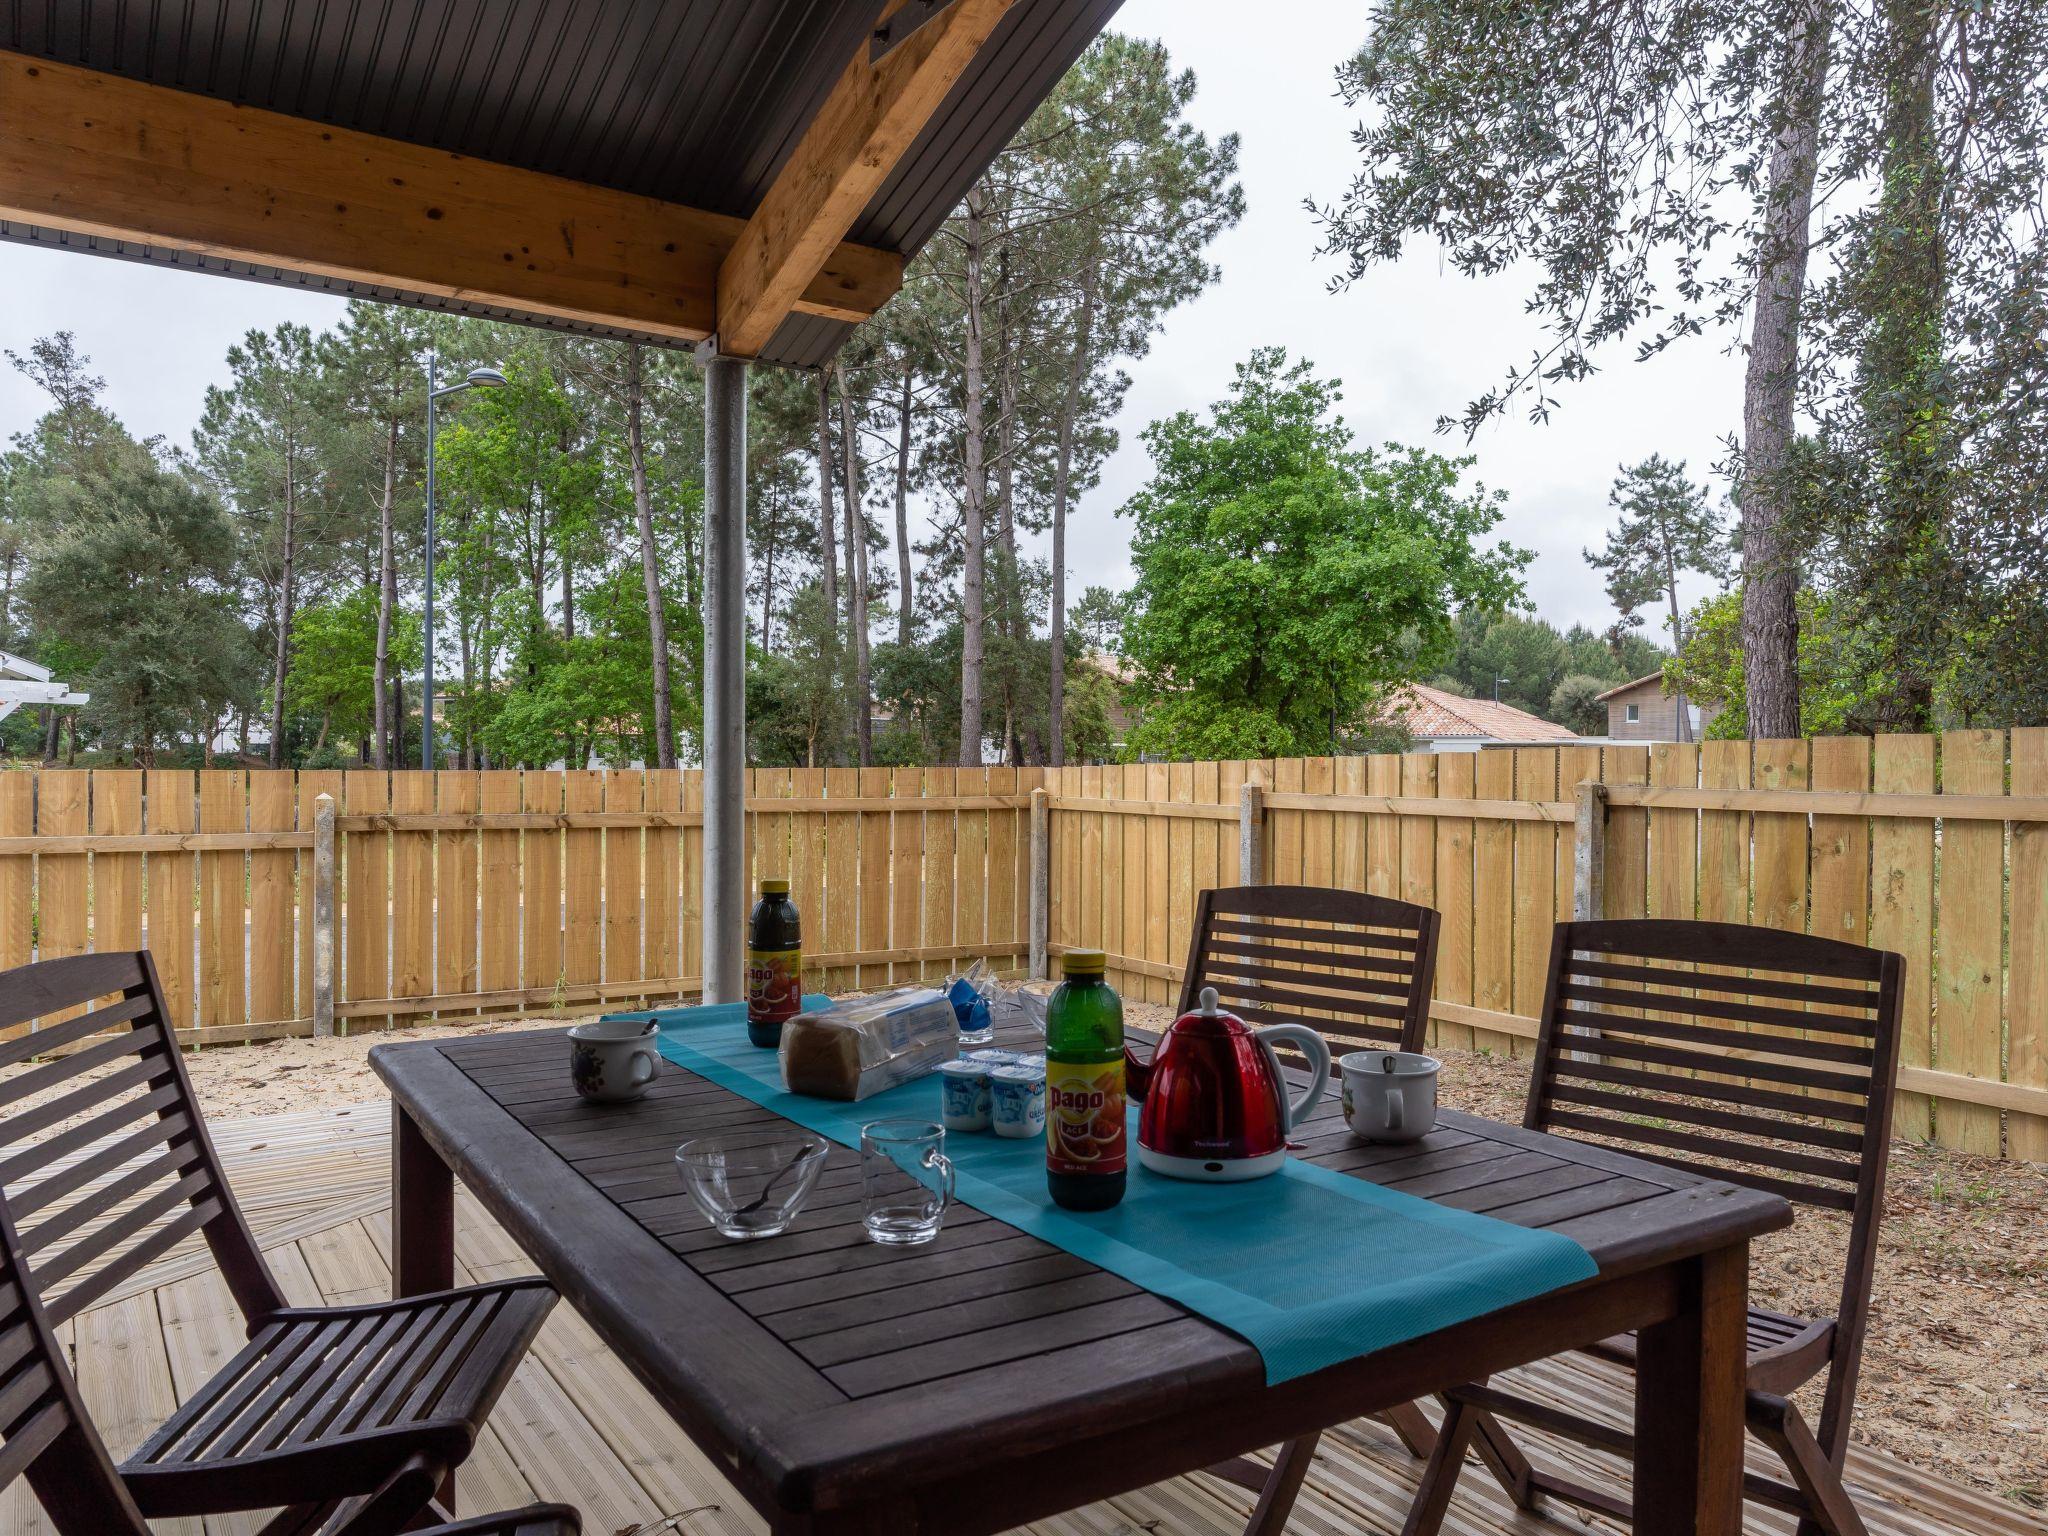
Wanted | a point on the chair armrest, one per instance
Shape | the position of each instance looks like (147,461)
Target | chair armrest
(1785,1367)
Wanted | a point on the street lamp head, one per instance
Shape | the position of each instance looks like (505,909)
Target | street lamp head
(485,378)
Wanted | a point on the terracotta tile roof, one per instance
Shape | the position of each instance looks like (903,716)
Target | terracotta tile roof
(1430,714)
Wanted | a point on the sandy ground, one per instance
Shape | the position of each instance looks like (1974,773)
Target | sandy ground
(1955,1371)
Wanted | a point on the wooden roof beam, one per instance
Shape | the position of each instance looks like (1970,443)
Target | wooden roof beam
(100,155)
(867,124)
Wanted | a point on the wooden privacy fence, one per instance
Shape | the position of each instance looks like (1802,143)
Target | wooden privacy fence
(456,895)
(463,895)
(1934,846)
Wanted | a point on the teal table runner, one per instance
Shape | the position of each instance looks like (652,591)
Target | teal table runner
(1311,1267)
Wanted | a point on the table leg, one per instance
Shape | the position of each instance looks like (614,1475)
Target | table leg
(1689,1403)
(422,1212)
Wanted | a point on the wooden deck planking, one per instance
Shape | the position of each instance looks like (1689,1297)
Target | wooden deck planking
(576,1425)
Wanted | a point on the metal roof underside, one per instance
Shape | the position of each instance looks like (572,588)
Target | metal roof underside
(692,101)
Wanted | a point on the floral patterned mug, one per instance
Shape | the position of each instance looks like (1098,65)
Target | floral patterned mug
(613,1060)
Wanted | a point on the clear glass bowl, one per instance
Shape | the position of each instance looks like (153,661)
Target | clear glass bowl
(748,1187)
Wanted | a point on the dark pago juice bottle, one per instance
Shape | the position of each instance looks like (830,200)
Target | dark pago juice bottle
(1084,1086)
(775,964)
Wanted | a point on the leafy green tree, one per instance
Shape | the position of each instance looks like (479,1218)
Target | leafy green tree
(334,658)
(1710,667)
(1575,704)
(1287,581)
(1617,160)
(797,702)
(134,567)
(1511,657)
(259,443)
(377,362)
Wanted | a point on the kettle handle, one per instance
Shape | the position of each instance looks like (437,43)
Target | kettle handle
(1316,1049)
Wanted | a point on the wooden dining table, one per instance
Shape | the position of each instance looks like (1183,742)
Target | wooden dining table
(988,1378)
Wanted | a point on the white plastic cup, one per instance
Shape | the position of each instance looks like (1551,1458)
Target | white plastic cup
(1017,1100)
(964,1090)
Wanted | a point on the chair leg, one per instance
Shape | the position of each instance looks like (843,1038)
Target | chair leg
(1829,1509)
(1502,1457)
(1440,1475)
(1413,1430)
(1283,1487)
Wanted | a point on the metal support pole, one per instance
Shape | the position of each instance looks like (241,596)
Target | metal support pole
(725,675)
(1041,880)
(1251,834)
(427,657)
(323,915)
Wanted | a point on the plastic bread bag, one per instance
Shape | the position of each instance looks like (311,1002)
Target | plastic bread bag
(859,1046)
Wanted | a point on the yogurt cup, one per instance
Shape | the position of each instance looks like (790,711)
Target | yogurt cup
(965,1099)
(1017,1100)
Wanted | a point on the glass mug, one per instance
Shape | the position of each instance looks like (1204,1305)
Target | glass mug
(906,1181)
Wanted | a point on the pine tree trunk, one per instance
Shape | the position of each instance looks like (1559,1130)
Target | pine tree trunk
(1770,558)
(287,603)
(905,597)
(1062,484)
(857,544)
(768,572)
(1903,358)
(387,602)
(1009,587)
(650,560)
(973,496)
(828,551)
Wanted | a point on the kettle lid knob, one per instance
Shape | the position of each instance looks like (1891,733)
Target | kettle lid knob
(1208,1008)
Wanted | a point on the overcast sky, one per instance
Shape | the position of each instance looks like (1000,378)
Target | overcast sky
(1411,342)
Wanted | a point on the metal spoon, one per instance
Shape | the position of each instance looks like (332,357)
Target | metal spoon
(761,1199)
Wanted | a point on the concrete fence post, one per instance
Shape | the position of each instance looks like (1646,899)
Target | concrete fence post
(1041,880)
(1589,852)
(323,915)
(1251,834)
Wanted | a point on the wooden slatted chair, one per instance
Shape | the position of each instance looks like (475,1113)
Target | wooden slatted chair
(1357,968)
(1774,1068)
(347,1418)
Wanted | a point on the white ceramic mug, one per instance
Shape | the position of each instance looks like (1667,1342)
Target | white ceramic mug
(1390,1095)
(613,1060)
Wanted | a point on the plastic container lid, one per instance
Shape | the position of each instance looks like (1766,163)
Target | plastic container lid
(963,1068)
(1084,962)
(774,887)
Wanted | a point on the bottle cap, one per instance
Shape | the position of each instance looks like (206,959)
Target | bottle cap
(774,887)
(1084,962)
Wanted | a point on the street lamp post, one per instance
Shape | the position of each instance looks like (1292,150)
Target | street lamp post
(477,378)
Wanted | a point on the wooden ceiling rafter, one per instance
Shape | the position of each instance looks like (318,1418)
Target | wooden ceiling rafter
(99,155)
(865,127)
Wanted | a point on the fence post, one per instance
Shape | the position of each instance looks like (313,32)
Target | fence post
(323,915)
(1251,830)
(1589,852)
(1041,880)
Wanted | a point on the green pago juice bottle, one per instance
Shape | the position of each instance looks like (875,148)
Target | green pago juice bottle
(775,964)
(1084,1086)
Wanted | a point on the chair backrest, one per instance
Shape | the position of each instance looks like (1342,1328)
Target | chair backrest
(1358,968)
(1748,1054)
(105,1164)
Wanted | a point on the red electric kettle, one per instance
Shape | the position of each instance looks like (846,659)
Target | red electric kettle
(1215,1103)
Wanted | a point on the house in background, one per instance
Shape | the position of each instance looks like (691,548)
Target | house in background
(1445,722)
(1643,711)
